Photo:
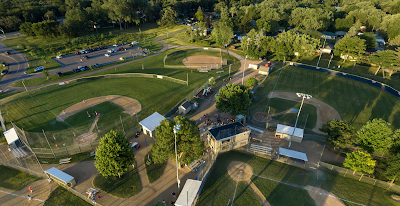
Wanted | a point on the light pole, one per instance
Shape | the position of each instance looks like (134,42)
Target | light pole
(176,129)
(298,113)
(247,56)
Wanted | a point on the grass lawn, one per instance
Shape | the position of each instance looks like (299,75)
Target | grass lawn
(61,196)
(219,187)
(74,158)
(13,179)
(124,187)
(356,102)
(154,171)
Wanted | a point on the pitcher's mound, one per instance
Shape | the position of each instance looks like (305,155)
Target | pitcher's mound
(240,171)
(201,60)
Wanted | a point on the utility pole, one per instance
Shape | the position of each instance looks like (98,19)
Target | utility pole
(244,67)
(321,53)
(298,114)
(49,144)
(187,79)
(176,129)
(268,117)
(330,61)
(230,70)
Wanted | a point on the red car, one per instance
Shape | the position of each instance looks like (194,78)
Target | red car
(77,52)
(121,48)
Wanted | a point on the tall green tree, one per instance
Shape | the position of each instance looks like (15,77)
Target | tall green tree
(386,59)
(222,34)
(168,17)
(26,28)
(350,46)
(339,133)
(251,82)
(199,15)
(122,11)
(392,169)
(189,145)
(375,136)
(360,162)
(233,98)
(311,18)
(370,40)
(113,155)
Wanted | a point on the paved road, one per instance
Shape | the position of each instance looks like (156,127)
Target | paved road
(18,65)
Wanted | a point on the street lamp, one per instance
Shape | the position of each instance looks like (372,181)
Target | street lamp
(298,113)
(177,127)
(247,56)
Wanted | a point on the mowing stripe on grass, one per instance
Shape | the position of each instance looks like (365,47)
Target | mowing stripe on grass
(234,194)
(301,187)
(282,68)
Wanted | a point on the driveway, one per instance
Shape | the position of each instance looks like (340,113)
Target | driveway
(18,65)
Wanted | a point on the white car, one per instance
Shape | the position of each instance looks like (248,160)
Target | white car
(111,51)
(115,45)
(107,55)
(58,57)
(135,42)
(38,69)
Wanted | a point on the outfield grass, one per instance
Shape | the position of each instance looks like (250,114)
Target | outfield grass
(219,187)
(356,102)
(124,187)
(13,179)
(154,171)
(61,196)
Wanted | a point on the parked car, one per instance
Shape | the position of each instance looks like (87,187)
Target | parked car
(95,65)
(76,70)
(107,55)
(77,52)
(7,52)
(4,72)
(135,145)
(135,42)
(121,48)
(38,69)
(115,45)
(103,47)
(4,64)
(59,57)
(137,134)
(82,69)
(60,74)
(86,57)
(86,67)
(131,45)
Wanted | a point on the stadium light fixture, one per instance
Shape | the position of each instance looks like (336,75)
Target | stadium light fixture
(304,96)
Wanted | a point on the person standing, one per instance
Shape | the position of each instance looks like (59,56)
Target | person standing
(30,189)
(29,197)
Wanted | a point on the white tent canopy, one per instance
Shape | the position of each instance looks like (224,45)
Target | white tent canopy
(188,193)
(66,178)
(292,153)
(11,136)
(289,130)
(152,121)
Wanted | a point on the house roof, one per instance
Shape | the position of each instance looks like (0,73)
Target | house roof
(186,105)
(292,153)
(341,33)
(152,121)
(289,130)
(228,130)
(59,174)
(11,135)
(188,193)
(329,46)
(328,33)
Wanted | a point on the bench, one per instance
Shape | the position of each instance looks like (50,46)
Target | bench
(256,140)
(65,161)
(91,190)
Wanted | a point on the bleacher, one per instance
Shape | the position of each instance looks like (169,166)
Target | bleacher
(266,150)
(196,164)
(18,152)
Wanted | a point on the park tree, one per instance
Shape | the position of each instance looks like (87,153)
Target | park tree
(251,82)
(122,11)
(353,31)
(113,155)
(360,162)
(76,19)
(199,15)
(376,136)
(392,168)
(50,15)
(9,22)
(395,42)
(189,145)
(168,17)
(311,18)
(386,59)
(233,98)
(370,40)
(339,133)
(389,26)
(222,34)
(26,28)
(46,28)
(350,46)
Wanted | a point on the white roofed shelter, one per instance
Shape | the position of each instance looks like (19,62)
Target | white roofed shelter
(12,138)
(150,123)
(293,154)
(60,177)
(284,132)
(188,193)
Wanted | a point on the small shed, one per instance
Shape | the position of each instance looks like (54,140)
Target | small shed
(265,70)
(292,154)
(12,138)
(185,107)
(150,123)
(60,177)
(241,118)
(189,193)
(328,49)
(285,132)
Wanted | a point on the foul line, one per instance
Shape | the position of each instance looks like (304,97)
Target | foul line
(9,193)
(301,187)
(273,89)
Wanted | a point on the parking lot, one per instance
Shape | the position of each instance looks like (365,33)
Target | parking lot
(71,61)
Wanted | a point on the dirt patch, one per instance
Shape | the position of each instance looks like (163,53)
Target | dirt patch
(201,60)
(240,171)
(263,117)
(89,136)
(324,111)
(131,106)
(322,197)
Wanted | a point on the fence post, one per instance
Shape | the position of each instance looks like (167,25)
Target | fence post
(332,168)
(49,144)
(91,147)
(79,149)
(345,173)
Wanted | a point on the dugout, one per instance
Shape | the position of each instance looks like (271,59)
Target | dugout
(60,177)
(12,138)
(189,193)
(150,123)
(285,132)
(295,155)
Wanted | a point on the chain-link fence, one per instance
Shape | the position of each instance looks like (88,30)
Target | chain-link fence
(358,176)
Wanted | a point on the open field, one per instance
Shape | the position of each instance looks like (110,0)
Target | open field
(219,188)
(13,179)
(61,196)
(124,187)
(356,102)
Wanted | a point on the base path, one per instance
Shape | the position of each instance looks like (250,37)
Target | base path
(201,60)
(324,111)
(131,106)
(322,197)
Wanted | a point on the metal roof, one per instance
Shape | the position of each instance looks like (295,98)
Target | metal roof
(289,130)
(186,105)
(11,135)
(152,121)
(292,153)
(188,193)
(228,130)
(59,174)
